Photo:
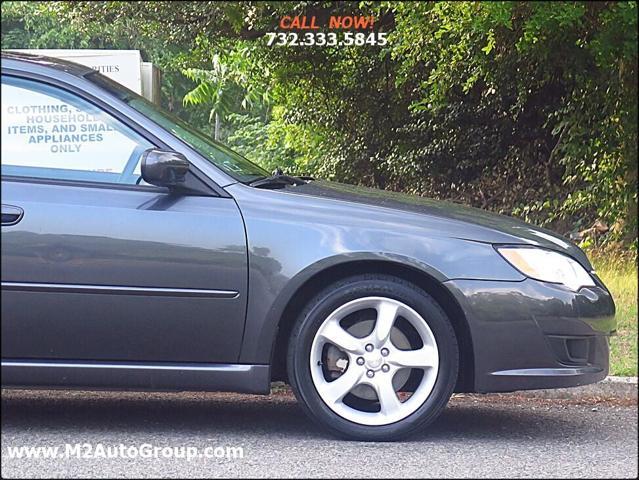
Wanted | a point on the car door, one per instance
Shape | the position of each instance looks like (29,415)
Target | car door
(97,267)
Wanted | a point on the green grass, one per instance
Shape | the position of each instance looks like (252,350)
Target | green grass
(619,272)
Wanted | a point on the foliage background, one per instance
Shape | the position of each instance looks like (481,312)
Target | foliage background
(524,108)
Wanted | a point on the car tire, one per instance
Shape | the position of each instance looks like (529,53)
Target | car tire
(361,307)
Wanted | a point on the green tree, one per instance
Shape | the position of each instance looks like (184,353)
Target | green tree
(527,108)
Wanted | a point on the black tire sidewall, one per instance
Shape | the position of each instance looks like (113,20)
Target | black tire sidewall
(366,286)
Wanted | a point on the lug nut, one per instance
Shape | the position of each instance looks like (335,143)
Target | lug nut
(385,368)
(385,352)
(360,361)
(370,374)
(369,347)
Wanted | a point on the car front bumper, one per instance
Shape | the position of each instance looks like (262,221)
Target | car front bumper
(530,335)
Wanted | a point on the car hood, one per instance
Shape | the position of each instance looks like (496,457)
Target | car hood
(485,226)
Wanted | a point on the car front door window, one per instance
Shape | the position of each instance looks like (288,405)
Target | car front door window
(51,133)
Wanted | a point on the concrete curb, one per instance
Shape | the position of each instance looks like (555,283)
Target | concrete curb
(619,388)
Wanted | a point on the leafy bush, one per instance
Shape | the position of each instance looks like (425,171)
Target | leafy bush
(525,108)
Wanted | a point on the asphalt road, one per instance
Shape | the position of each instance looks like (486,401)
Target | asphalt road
(475,437)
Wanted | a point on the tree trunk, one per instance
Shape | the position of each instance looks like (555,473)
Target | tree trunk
(217,126)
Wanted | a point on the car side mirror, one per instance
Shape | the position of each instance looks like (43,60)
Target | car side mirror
(164,168)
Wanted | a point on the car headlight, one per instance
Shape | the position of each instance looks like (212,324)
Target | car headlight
(547,266)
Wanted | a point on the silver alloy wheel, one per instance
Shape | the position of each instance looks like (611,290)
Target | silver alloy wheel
(373,361)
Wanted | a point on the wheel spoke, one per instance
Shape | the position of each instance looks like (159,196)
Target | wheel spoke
(336,390)
(333,333)
(388,401)
(421,358)
(386,315)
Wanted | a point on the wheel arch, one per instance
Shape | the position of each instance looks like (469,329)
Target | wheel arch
(429,281)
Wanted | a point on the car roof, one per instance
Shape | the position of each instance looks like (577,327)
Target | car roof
(18,60)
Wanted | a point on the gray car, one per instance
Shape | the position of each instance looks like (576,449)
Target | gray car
(139,254)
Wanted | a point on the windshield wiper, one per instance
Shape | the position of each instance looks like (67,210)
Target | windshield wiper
(279,180)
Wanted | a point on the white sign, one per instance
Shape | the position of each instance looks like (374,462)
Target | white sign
(45,130)
(123,66)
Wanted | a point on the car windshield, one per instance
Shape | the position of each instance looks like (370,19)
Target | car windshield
(222,157)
